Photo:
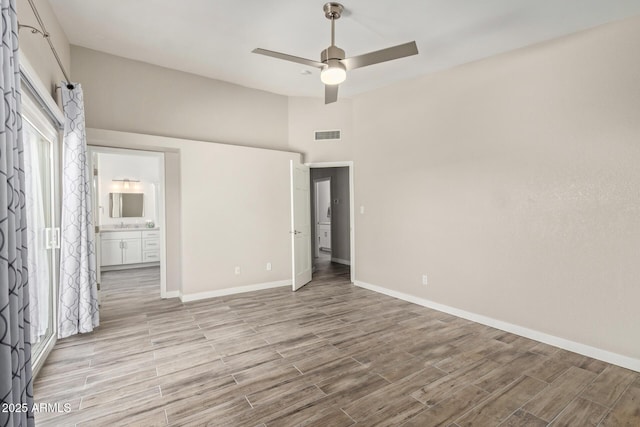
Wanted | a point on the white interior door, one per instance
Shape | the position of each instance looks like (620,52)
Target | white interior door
(300,225)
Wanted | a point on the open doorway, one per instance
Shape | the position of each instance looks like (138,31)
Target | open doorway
(322,215)
(129,211)
(341,262)
(331,219)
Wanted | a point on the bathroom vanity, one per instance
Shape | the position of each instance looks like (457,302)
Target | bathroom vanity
(125,246)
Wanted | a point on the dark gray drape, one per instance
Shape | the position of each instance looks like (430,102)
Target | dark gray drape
(16,397)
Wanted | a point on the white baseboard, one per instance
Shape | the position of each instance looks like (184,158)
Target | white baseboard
(171,294)
(341,261)
(236,290)
(576,347)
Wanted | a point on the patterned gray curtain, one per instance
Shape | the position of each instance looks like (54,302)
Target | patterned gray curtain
(16,396)
(78,298)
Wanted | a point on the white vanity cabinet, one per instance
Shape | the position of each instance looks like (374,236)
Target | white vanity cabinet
(129,247)
(110,251)
(120,247)
(150,246)
(324,235)
(131,251)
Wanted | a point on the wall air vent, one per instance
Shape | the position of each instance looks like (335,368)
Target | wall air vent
(327,135)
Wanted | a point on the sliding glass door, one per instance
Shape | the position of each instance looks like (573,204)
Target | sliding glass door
(40,140)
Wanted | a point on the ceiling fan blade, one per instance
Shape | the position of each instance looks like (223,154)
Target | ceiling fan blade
(330,93)
(382,55)
(291,58)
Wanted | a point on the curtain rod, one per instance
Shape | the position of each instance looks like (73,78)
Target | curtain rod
(45,34)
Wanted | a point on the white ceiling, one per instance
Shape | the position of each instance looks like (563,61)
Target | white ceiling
(214,38)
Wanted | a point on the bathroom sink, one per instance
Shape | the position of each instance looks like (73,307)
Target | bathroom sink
(122,226)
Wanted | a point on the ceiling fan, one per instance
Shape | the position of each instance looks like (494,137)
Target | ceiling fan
(333,63)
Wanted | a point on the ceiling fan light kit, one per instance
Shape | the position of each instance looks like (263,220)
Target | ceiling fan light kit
(334,74)
(333,63)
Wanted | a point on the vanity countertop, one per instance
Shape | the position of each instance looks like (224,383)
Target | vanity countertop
(111,228)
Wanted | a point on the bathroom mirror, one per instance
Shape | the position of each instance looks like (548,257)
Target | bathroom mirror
(126,205)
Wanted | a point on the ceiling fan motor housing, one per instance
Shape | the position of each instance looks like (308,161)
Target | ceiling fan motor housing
(332,52)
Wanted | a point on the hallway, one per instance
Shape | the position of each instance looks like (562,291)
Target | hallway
(328,272)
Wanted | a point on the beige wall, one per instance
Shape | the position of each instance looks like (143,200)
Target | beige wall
(513,183)
(36,49)
(234,210)
(131,96)
(307,115)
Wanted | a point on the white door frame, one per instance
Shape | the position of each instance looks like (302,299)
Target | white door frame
(51,109)
(32,115)
(352,218)
(316,246)
(161,223)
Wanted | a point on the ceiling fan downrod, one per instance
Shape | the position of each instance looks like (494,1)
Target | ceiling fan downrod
(332,11)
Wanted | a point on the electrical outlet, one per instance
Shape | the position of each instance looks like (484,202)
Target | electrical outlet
(268,266)
(361,210)
(237,271)
(424,279)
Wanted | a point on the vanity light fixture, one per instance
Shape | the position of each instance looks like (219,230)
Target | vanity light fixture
(125,182)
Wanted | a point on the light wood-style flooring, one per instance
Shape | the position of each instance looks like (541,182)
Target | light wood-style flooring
(331,354)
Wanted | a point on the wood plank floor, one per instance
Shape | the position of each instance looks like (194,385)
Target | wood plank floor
(330,354)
